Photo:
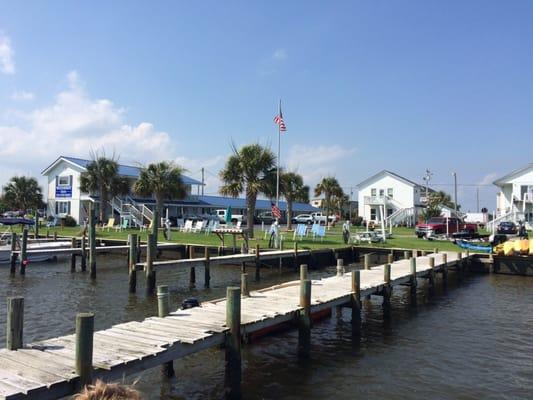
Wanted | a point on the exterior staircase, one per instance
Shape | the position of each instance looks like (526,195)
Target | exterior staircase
(138,214)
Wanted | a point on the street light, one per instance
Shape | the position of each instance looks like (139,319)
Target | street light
(426,178)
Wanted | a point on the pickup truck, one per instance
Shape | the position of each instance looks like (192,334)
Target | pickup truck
(221,214)
(320,218)
(444,226)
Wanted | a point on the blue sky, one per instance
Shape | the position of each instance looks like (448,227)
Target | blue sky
(365,85)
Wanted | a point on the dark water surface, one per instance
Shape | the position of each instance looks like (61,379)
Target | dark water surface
(473,341)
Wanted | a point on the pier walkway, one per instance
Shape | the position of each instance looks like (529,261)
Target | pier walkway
(46,369)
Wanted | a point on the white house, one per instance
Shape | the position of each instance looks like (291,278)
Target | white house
(514,202)
(65,198)
(392,198)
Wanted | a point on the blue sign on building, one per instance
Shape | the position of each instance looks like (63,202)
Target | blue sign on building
(63,191)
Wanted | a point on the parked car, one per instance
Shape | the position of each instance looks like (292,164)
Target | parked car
(320,218)
(507,228)
(444,226)
(266,217)
(303,219)
(234,217)
(367,237)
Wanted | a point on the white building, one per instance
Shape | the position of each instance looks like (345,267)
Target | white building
(514,202)
(391,197)
(64,197)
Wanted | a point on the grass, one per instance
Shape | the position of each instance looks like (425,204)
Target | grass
(402,238)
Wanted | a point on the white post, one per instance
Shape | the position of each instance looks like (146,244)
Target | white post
(383,222)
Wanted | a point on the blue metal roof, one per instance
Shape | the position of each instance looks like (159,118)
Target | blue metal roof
(224,202)
(126,170)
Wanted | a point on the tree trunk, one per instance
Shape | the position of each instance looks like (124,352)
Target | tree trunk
(328,201)
(159,204)
(289,213)
(103,205)
(250,211)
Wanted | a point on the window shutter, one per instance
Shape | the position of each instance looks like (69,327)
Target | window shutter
(57,178)
(68,208)
(56,206)
(70,180)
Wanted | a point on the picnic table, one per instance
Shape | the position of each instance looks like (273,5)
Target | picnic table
(221,232)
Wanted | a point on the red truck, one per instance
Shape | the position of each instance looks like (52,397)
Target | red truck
(437,226)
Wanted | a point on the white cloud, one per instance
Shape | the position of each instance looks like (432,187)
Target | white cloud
(280,54)
(489,178)
(7,64)
(22,95)
(74,124)
(318,161)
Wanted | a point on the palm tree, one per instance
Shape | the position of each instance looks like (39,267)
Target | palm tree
(163,180)
(101,177)
(329,187)
(441,198)
(293,189)
(23,193)
(250,170)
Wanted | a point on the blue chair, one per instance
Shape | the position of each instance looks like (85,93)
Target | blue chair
(319,232)
(300,231)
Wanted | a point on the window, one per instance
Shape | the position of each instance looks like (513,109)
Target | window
(63,180)
(389,212)
(62,207)
(373,214)
(389,192)
(381,192)
(373,192)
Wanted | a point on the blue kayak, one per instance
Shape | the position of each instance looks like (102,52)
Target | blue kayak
(473,246)
(16,221)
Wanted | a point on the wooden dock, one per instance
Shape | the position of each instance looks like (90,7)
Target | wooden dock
(49,369)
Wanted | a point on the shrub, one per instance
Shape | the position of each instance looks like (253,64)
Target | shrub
(69,221)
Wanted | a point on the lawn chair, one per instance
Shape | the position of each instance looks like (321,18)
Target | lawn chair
(123,226)
(320,232)
(211,226)
(179,223)
(110,224)
(187,227)
(300,232)
(144,227)
(200,226)
(238,225)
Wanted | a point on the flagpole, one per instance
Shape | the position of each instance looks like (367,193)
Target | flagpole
(279,155)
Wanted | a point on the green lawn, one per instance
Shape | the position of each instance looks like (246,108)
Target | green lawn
(402,238)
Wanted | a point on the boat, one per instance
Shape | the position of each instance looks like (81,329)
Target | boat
(9,221)
(474,246)
(5,251)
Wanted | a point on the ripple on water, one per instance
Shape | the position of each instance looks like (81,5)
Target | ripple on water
(470,341)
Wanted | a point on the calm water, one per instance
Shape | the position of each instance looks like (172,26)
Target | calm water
(473,341)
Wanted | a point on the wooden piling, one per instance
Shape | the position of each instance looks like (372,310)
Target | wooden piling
(83,253)
(295,255)
(192,277)
(436,250)
(155,229)
(423,253)
(356,302)
(233,369)
(245,291)
(13,256)
(257,263)
(340,267)
(413,280)
(207,268)
(303,272)
(304,323)
(387,290)
(24,252)
(367,261)
(15,323)
(139,249)
(431,272)
(84,347)
(163,309)
(149,268)
(55,236)
(390,258)
(92,242)
(444,268)
(132,257)
(73,244)
(406,255)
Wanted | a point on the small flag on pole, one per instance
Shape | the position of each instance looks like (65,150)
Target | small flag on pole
(276,212)
(278,120)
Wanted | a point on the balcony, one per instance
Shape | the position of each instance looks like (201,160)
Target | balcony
(375,200)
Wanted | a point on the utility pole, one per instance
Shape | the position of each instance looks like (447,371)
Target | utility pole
(203,181)
(427,178)
(455,200)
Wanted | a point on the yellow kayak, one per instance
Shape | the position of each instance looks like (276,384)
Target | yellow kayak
(531,247)
(508,248)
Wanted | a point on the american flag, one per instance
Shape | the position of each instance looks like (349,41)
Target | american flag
(276,212)
(278,120)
